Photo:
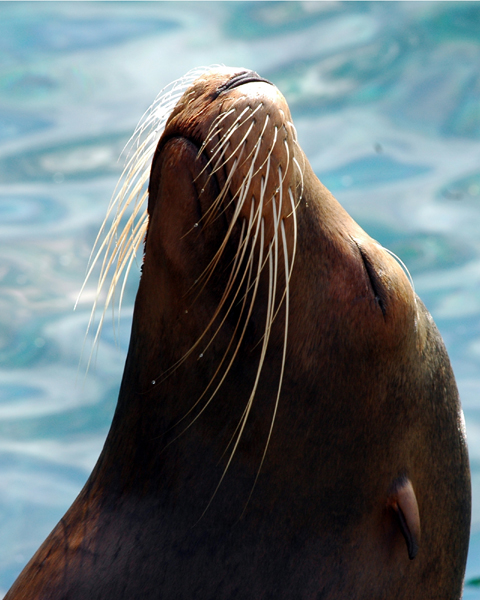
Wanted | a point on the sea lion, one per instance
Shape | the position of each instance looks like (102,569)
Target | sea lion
(288,424)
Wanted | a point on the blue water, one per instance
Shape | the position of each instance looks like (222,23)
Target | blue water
(386,100)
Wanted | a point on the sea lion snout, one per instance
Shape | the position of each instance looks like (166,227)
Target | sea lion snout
(248,139)
(237,183)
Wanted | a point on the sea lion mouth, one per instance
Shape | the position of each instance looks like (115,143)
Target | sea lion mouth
(241,79)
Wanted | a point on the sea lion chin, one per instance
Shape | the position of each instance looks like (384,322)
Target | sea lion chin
(288,424)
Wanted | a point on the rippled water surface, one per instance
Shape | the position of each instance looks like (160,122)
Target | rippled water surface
(386,100)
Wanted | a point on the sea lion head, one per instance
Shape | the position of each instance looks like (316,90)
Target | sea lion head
(241,198)
(261,255)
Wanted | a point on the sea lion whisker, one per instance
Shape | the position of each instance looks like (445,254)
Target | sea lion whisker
(135,239)
(149,129)
(401,263)
(158,112)
(238,257)
(107,262)
(123,193)
(265,338)
(205,275)
(241,200)
(106,244)
(137,161)
(91,264)
(244,418)
(136,244)
(288,269)
(131,188)
(274,246)
(409,276)
(155,116)
(214,207)
(220,161)
(124,246)
(300,171)
(225,138)
(228,288)
(151,117)
(219,384)
(293,214)
(295,232)
(237,124)
(269,152)
(119,242)
(129,191)
(288,160)
(254,217)
(232,277)
(264,183)
(110,293)
(294,131)
(248,270)
(164,103)
(210,139)
(223,160)
(255,220)
(295,204)
(170,94)
(213,171)
(124,264)
(260,138)
(214,129)
(258,141)
(251,168)
(228,367)
(237,198)
(244,189)
(107,241)
(278,222)
(241,247)
(138,204)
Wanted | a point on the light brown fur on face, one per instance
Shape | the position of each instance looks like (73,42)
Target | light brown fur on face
(288,424)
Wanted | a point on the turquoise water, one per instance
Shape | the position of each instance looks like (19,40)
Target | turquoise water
(386,100)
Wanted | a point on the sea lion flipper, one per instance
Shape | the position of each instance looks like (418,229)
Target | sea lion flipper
(403,501)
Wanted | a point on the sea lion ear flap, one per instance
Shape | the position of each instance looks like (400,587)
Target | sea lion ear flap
(402,500)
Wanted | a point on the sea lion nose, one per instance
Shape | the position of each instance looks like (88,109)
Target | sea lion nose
(246,76)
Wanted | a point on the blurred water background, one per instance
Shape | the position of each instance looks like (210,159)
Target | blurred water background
(386,101)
